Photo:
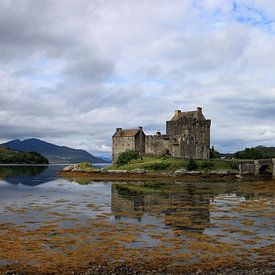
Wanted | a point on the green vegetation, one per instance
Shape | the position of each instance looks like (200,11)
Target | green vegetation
(250,153)
(17,157)
(214,154)
(192,165)
(259,152)
(85,165)
(126,157)
(168,164)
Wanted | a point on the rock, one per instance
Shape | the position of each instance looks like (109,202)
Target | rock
(239,176)
(219,172)
(118,171)
(68,168)
(139,171)
(180,172)
(77,169)
(193,172)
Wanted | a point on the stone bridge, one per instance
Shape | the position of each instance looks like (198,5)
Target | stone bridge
(258,167)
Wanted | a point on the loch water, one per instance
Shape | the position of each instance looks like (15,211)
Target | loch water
(181,220)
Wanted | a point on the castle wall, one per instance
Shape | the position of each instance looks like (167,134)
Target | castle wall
(176,147)
(121,144)
(192,135)
(157,145)
(191,130)
(140,142)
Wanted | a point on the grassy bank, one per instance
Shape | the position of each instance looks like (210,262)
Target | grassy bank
(166,164)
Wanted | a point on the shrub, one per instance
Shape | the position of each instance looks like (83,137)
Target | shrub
(207,165)
(157,166)
(214,154)
(126,157)
(85,165)
(192,165)
(234,165)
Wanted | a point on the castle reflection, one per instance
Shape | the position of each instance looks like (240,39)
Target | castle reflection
(180,207)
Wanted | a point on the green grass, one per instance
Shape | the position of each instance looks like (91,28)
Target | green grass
(167,164)
(85,166)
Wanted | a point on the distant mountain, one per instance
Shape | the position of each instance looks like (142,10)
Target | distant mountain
(108,160)
(54,153)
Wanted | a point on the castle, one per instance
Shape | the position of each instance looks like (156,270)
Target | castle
(187,136)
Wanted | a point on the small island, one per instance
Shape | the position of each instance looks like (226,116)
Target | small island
(8,156)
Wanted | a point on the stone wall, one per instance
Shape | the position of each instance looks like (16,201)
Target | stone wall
(121,144)
(140,142)
(176,147)
(191,130)
(157,144)
(247,167)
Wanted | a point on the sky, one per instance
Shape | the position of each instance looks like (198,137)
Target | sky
(73,71)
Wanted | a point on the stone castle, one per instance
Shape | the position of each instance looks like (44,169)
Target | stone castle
(187,136)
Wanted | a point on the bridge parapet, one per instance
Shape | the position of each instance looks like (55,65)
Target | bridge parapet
(247,167)
(257,167)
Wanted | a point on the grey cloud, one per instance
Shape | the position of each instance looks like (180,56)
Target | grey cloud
(73,71)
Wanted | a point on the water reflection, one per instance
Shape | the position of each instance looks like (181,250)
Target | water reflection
(180,207)
(29,175)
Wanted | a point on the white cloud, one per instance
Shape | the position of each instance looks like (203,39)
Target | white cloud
(71,72)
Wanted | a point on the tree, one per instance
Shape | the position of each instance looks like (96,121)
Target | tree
(250,153)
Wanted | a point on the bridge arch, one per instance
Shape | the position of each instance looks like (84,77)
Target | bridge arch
(265,169)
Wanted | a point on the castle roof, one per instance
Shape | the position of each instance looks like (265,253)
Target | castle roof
(126,132)
(190,114)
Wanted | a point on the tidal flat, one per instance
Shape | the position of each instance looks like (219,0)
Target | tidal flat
(51,225)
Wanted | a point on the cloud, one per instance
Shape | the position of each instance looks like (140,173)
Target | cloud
(73,71)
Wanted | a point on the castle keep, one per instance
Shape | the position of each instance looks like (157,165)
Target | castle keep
(187,136)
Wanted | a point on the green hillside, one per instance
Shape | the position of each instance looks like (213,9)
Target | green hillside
(259,152)
(17,157)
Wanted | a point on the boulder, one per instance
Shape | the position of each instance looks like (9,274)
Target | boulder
(139,171)
(193,172)
(239,176)
(219,172)
(118,171)
(68,168)
(180,172)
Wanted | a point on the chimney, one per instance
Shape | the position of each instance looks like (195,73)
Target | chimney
(177,112)
(199,110)
(140,127)
(158,133)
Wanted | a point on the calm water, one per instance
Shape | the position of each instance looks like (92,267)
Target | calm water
(179,217)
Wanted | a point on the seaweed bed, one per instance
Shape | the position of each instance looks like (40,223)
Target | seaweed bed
(149,227)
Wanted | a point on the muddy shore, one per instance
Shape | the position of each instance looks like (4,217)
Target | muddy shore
(239,268)
(128,176)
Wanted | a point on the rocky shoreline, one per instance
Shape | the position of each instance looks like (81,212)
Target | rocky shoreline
(143,175)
